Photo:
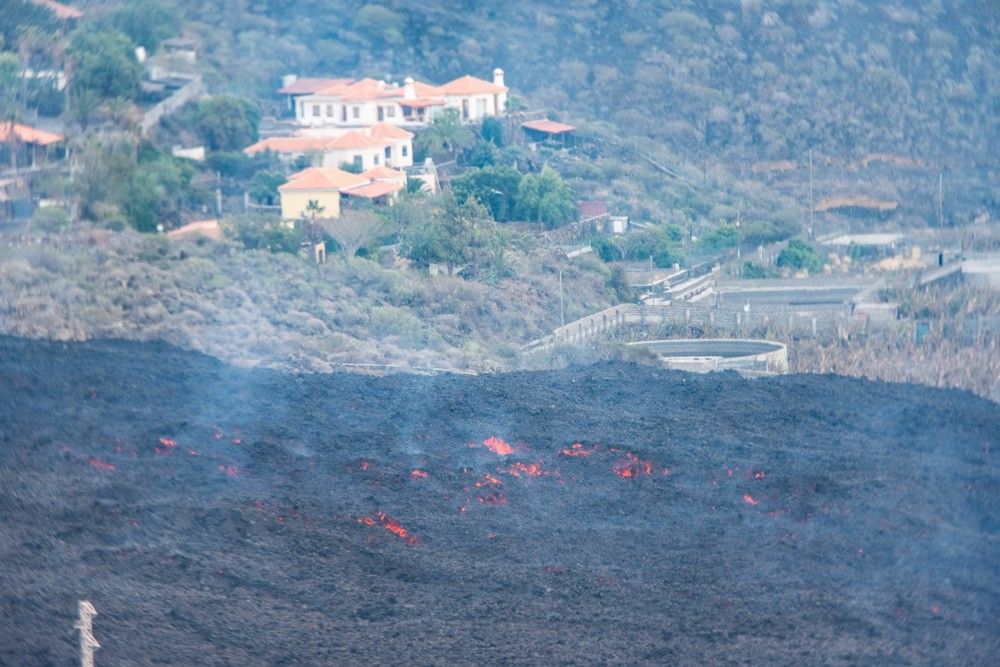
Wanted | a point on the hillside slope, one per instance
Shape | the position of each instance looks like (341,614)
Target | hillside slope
(221,516)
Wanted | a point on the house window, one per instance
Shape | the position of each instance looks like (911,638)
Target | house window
(388,152)
(343,114)
(356,111)
(390,111)
(375,159)
(302,110)
(481,107)
(329,110)
(358,162)
(405,150)
(316,110)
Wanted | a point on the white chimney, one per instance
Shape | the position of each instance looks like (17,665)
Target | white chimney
(409,92)
(140,54)
(288,80)
(498,77)
(381,85)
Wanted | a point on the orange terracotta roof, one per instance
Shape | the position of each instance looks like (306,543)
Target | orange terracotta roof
(470,85)
(368,89)
(422,89)
(357,139)
(388,131)
(322,178)
(288,145)
(382,173)
(28,135)
(548,126)
(305,86)
(374,189)
(59,9)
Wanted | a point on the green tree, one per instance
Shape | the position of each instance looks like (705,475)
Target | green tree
(445,135)
(452,235)
(606,248)
(658,244)
(227,122)
(264,187)
(104,65)
(147,23)
(799,255)
(264,233)
(492,131)
(493,187)
(10,85)
(545,198)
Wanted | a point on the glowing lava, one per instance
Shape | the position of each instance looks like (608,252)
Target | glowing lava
(632,466)
(750,500)
(393,527)
(487,480)
(498,446)
(518,469)
(418,474)
(578,450)
(494,499)
(99,464)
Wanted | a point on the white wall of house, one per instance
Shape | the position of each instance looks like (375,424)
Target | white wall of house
(321,111)
(368,157)
(476,107)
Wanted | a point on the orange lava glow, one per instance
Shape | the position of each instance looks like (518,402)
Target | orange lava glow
(364,465)
(632,466)
(759,475)
(498,446)
(518,469)
(577,449)
(229,471)
(750,500)
(494,499)
(397,529)
(418,474)
(487,480)
(99,464)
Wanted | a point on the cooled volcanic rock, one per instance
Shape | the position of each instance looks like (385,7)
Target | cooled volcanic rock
(610,513)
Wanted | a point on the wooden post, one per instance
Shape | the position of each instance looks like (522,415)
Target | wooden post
(87,641)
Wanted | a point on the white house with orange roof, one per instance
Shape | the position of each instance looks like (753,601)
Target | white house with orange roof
(328,186)
(339,103)
(381,144)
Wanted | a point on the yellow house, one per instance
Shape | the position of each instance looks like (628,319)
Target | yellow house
(326,186)
(319,184)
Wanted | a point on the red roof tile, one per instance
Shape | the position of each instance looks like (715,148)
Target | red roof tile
(322,178)
(470,85)
(548,126)
(374,189)
(28,135)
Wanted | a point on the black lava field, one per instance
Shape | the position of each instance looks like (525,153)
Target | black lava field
(613,513)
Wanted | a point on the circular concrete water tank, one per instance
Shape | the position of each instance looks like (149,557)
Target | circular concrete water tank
(700,355)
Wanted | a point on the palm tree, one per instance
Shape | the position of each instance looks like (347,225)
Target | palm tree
(445,135)
(314,210)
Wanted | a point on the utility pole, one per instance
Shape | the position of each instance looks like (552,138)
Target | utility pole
(941,200)
(738,211)
(812,228)
(562,309)
(87,641)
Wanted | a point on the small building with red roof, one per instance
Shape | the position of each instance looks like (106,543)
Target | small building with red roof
(328,186)
(23,146)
